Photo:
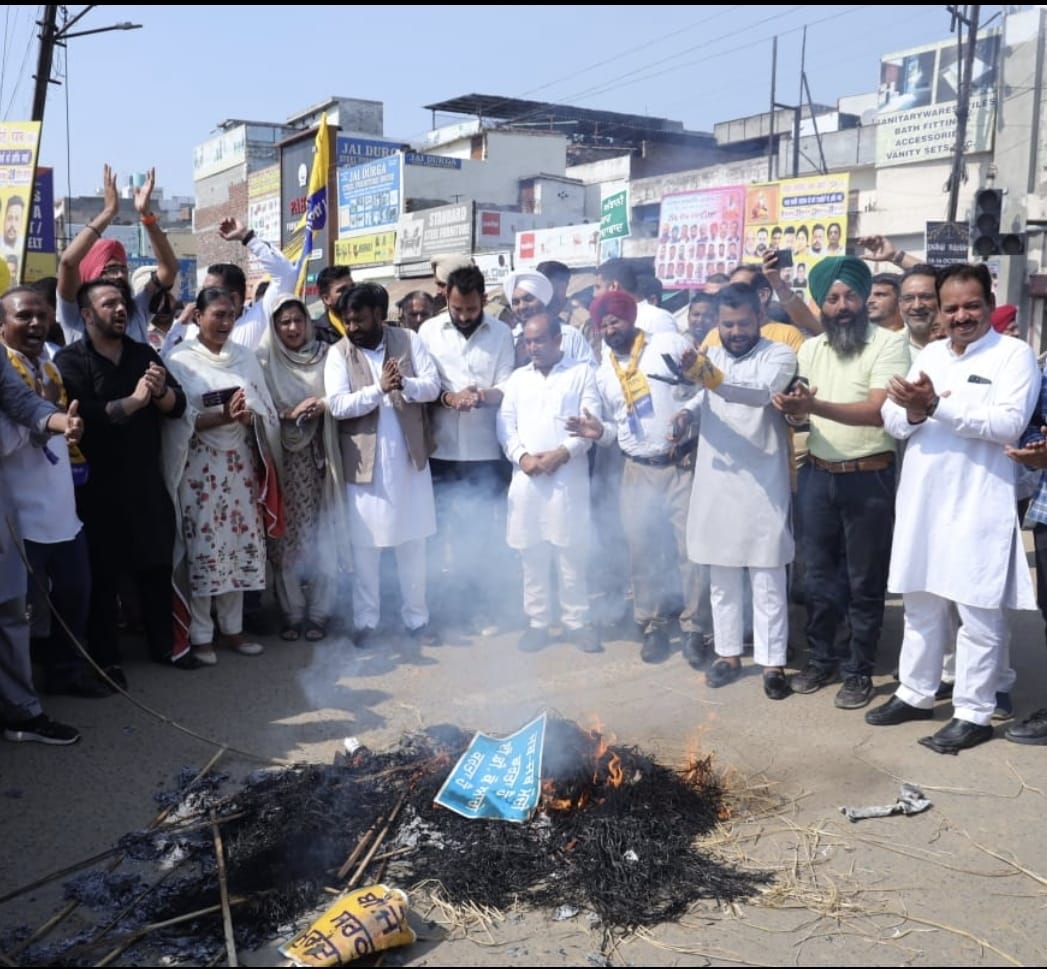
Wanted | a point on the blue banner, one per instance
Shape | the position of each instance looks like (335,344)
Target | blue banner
(498,777)
(369,195)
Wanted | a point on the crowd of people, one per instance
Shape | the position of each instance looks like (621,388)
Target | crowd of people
(534,466)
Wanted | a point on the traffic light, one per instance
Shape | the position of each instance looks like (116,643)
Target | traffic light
(988,239)
(988,206)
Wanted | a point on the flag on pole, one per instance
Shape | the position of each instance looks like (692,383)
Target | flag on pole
(314,219)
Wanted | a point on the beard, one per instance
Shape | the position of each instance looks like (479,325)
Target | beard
(846,339)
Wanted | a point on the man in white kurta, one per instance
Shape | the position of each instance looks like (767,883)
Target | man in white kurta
(739,510)
(548,514)
(956,535)
(394,509)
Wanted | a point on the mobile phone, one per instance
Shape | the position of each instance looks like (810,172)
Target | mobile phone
(217,398)
(785,259)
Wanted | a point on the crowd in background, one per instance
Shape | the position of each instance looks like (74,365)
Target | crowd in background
(525,462)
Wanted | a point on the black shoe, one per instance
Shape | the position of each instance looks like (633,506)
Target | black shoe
(41,729)
(587,639)
(944,691)
(696,650)
(856,692)
(896,711)
(425,635)
(187,661)
(82,685)
(117,675)
(776,685)
(533,640)
(1032,730)
(722,672)
(655,647)
(362,636)
(812,678)
(957,735)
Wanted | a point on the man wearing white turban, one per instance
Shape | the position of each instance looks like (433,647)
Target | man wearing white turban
(530,293)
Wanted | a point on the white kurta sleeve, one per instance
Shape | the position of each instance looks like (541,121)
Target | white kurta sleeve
(506,424)
(1002,416)
(896,421)
(424,386)
(342,401)
(590,401)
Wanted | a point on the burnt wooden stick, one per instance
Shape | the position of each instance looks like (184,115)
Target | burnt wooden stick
(362,867)
(360,844)
(116,862)
(223,893)
(141,933)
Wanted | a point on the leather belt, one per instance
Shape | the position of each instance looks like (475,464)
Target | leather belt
(654,461)
(872,462)
(679,456)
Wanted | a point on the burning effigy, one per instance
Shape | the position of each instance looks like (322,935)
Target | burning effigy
(614,833)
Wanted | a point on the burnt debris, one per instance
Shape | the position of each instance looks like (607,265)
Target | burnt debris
(616,834)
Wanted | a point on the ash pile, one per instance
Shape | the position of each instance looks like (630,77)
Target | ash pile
(615,833)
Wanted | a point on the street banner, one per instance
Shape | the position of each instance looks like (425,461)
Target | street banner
(19,143)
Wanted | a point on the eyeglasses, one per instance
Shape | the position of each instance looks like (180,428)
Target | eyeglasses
(909,298)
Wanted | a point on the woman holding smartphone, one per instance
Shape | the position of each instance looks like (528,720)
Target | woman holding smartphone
(220,466)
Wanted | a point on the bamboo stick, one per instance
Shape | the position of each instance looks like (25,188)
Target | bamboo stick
(223,893)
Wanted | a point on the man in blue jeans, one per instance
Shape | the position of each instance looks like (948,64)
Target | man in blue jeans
(846,490)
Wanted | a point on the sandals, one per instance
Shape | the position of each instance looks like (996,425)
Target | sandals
(315,631)
(291,632)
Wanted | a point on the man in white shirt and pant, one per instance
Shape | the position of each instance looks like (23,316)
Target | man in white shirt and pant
(549,494)
(957,537)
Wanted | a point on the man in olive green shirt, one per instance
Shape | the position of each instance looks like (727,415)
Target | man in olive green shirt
(845,494)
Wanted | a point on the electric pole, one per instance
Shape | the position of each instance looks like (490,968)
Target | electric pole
(50,37)
(963,97)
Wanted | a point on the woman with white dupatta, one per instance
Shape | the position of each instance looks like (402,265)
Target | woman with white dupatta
(305,558)
(220,467)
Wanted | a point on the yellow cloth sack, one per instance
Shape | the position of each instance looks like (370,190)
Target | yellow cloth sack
(360,923)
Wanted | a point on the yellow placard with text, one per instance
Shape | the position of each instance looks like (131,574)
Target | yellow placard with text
(376,249)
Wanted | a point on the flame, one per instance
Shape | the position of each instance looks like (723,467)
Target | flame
(606,772)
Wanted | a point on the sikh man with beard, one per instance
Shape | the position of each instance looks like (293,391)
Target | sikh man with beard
(378,380)
(639,407)
(845,492)
(739,506)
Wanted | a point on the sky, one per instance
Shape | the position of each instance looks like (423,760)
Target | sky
(141,98)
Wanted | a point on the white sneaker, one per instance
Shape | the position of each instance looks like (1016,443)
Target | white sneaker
(206,655)
(248,648)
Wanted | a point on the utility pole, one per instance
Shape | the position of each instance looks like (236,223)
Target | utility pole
(50,37)
(44,60)
(963,97)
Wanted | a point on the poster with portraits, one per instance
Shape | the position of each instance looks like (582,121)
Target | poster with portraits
(699,234)
(806,216)
(19,141)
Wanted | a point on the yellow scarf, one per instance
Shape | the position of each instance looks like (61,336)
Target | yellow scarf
(332,318)
(46,383)
(634,384)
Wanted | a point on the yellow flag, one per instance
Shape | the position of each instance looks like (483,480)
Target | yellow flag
(314,219)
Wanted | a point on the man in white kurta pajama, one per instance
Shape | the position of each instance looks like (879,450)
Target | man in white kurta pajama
(956,534)
(377,381)
(739,511)
(549,493)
